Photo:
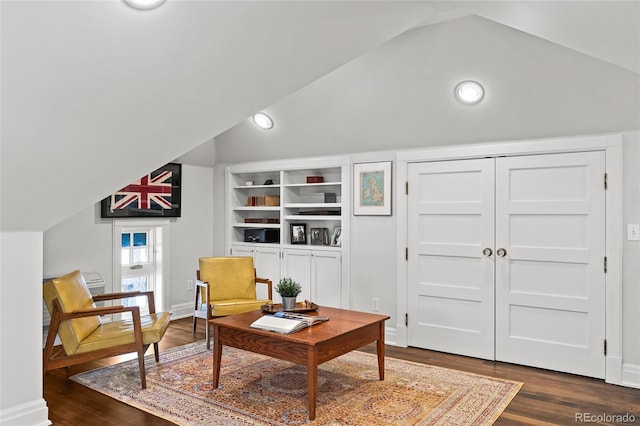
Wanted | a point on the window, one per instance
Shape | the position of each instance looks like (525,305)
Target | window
(138,248)
(138,265)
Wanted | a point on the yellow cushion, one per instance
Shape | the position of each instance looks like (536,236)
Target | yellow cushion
(73,294)
(222,308)
(121,332)
(229,277)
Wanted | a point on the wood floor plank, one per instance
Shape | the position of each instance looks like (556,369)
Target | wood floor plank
(546,397)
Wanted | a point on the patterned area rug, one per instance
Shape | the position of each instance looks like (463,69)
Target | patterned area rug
(257,390)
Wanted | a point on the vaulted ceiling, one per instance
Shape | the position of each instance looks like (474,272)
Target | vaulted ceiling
(95,94)
(549,69)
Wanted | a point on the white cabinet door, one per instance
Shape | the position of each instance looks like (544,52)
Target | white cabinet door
(237,250)
(266,261)
(296,264)
(550,283)
(451,281)
(318,271)
(326,278)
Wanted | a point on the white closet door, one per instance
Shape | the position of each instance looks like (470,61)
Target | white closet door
(550,284)
(451,281)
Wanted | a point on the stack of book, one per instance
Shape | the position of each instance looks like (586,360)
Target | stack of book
(286,322)
(263,200)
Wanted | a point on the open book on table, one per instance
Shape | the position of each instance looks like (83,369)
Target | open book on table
(286,322)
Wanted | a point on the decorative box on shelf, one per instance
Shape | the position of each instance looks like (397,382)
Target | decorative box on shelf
(315,179)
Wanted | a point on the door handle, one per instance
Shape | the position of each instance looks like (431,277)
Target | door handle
(487,252)
(501,252)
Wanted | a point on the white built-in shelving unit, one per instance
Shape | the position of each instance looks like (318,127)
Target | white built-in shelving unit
(287,194)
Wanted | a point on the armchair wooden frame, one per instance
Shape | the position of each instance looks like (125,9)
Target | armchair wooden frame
(208,313)
(55,356)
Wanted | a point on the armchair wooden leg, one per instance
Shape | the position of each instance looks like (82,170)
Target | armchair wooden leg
(208,331)
(156,352)
(195,323)
(143,378)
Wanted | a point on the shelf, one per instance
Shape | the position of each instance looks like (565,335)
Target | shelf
(308,185)
(242,187)
(254,244)
(257,225)
(313,205)
(309,218)
(257,208)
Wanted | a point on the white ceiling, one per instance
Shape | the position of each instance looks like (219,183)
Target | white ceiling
(400,96)
(608,31)
(95,94)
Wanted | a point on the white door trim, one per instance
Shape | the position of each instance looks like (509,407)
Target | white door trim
(611,144)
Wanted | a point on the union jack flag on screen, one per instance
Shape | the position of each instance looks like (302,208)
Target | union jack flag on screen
(156,194)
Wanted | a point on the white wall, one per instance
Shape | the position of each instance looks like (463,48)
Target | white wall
(191,236)
(84,241)
(631,259)
(21,401)
(372,253)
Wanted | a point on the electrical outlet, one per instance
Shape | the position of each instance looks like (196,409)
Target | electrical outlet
(375,304)
(189,285)
(633,232)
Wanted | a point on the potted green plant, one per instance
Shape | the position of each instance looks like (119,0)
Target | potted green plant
(288,289)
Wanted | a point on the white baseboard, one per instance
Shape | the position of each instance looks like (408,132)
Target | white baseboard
(182,310)
(390,337)
(32,413)
(613,370)
(631,375)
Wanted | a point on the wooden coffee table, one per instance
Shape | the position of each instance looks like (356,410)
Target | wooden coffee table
(344,332)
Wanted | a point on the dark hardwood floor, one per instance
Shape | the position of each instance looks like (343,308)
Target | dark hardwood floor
(546,397)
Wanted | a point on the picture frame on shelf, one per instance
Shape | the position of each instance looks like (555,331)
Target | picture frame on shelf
(336,237)
(298,233)
(319,236)
(372,189)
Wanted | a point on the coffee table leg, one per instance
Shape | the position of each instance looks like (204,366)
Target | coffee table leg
(312,381)
(217,356)
(380,350)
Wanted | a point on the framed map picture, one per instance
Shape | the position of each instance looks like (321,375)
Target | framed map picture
(372,188)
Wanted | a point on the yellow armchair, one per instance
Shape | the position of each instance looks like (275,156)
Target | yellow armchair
(226,286)
(76,320)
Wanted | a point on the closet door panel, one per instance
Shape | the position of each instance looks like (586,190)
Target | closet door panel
(451,279)
(550,283)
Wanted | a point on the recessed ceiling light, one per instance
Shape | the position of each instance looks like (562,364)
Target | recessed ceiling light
(469,92)
(144,4)
(263,121)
